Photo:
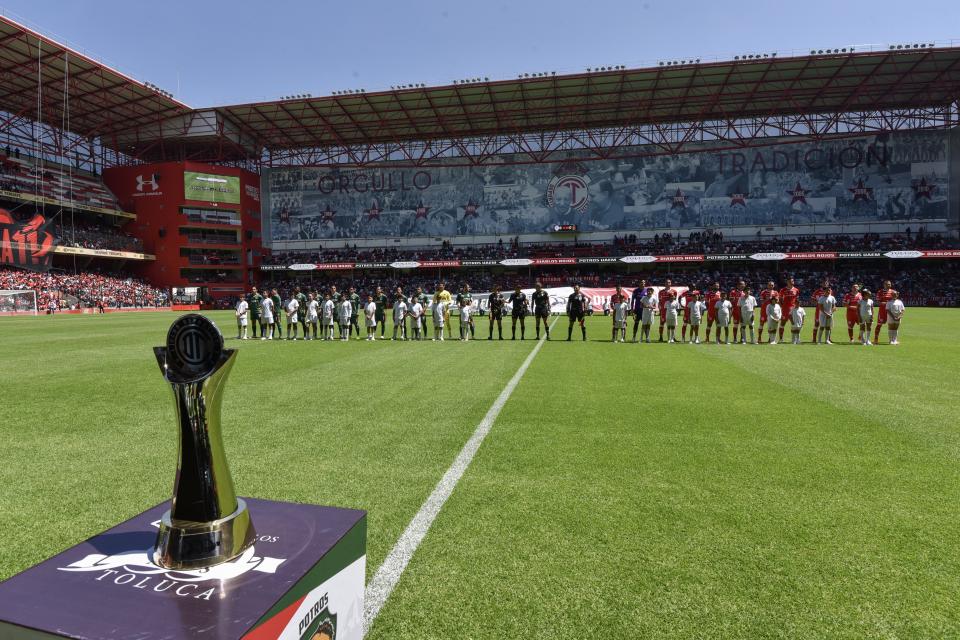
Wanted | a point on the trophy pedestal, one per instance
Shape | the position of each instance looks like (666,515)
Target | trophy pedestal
(304,574)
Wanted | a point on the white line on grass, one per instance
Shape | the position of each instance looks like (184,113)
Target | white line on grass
(388,575)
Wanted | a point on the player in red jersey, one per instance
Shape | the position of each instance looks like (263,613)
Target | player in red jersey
(851,300)
(819,293)
(880,300)
(688,296)
(734,298)
(668,293)
(619,295)
(789,297)
(711,299)
(766,296)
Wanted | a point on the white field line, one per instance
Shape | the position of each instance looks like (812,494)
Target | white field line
(388,575)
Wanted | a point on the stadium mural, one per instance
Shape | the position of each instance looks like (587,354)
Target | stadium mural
(894,176)
(26,244)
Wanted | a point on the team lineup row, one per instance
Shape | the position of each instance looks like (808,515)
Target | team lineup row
(737,309)
(686,308)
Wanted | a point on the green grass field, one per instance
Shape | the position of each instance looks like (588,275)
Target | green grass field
(625,491)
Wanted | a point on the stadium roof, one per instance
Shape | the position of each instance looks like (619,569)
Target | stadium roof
(102,101)
(627,97)
(139,121)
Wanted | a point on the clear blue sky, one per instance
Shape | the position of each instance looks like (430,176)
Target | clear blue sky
(241,51)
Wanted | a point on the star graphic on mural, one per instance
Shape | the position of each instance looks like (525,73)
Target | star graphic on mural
(421,211)
(470,210)
(798,194)
(923,189)
(373,213)
(327,214)
(738,198)
(861,192)
(678,200)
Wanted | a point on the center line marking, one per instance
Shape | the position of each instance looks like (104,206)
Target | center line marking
(388,575)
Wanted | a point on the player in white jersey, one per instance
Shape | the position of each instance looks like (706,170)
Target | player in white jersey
(797,314)
(292,308)
(416,316)
(242,308)
(346,310)
(747,305)
(723,309)
(399,319)
(649,303)
(439,318)
(370,317)
(671,309)
(895,309)
(697,309)
(620,312)
(266,318)
(865,314)
(312,316)
(827,304)
(327,312)
(774,315)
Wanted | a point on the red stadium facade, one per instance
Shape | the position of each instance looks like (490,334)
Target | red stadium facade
(196,242)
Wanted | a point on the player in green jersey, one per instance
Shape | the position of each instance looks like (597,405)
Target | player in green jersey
(255,301)
(355,305)
(302,305)
(277,310)
(380,299)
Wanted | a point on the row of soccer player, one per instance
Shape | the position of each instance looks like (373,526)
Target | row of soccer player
(313,311)
(737,309)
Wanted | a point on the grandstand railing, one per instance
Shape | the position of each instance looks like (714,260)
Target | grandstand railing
(102,253)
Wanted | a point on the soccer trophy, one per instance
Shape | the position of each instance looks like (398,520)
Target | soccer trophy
(206,524)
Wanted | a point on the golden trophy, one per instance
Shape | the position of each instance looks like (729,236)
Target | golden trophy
(207,523)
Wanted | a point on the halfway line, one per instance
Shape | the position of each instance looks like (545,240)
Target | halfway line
(388,575)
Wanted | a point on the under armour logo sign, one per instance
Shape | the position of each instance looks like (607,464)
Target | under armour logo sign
(152,182)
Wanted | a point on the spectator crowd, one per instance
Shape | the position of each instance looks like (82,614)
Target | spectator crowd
(91,236)
(708,242)
(83,290)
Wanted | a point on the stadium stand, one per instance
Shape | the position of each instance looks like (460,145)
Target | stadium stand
(22,175)
(93,236)
(84,290)
(666,244)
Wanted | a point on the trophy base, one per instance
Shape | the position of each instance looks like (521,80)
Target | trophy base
(185,545)
(303,578)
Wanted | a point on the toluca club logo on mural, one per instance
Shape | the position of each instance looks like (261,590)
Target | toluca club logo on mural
(569,188)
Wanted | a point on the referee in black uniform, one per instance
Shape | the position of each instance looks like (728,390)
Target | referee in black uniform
(541,309)
(577,310)
(495,309)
